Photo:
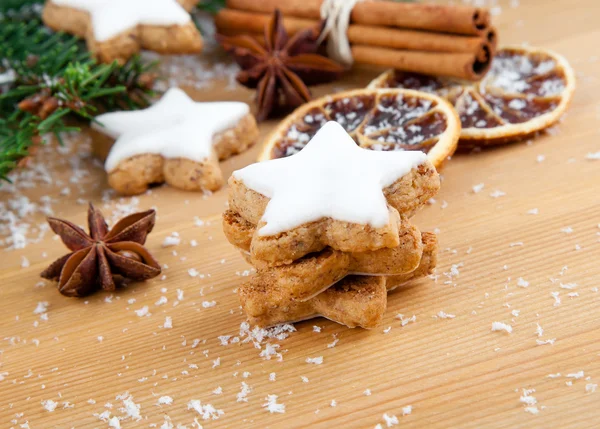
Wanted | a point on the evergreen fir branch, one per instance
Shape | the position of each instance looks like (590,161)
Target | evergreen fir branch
(46,77)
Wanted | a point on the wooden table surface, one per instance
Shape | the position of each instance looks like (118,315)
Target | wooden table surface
(85,354)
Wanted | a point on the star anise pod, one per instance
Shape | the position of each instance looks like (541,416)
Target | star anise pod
(99,255)
(282,69)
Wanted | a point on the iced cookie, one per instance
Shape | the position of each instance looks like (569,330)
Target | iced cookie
(177,141)
(315,272)
(355,301)
(331,194)
(117,29)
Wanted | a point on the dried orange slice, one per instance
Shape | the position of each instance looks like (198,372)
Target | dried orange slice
(378,119)
(525,91)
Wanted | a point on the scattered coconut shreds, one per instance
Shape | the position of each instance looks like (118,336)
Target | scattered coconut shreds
(272,376)
(478,188)
(206,411)
(556,297)
(316,360)
(577,375)
(390,420)
(499,326)
(367,392)
(218,391)
(407,410)
(208,304)
(165,400)
(333,403)
(272,406)
(168,323)
(269,351)
(49,405)
(539,330)
(130,408)
(521,282)
(171,240)
(41,308)
(591,387)
(593,156)
(497,194)
(529,401)
(550,341)
(443,315)
(567,230)
(533,211)
(304,379)
(242,396)
(144,311)
(405,321)
(334,342)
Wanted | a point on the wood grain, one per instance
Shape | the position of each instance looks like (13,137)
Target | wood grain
(454,372)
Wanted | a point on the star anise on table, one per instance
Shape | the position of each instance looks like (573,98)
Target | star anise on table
(282,69)
(98,256)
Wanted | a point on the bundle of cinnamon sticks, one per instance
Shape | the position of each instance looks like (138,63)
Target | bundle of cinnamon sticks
(440,40)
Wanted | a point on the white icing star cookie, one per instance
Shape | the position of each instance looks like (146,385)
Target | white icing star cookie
(175,128)
(111,17)
(331,177)
(115,29)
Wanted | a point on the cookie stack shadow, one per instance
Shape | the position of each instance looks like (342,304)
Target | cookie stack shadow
(336,270)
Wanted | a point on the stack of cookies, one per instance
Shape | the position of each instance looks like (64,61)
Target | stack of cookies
(328,230)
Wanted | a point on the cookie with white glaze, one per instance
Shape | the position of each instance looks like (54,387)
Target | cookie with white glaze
(176,140)
(331,194)
(117,29)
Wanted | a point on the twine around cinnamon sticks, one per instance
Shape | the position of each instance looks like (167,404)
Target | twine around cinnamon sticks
(443,40)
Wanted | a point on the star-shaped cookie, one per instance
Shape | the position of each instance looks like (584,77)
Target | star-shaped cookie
(332,193)
(117,29)
(177,140)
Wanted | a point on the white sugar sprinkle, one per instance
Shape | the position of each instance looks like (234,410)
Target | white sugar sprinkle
(390,420)
(168,323)
(171,240)
(478,188)
(165,400)
(499,326)
(272,406)
(207,411)
(144,311)
(49,405)
(443,315)
(593,156)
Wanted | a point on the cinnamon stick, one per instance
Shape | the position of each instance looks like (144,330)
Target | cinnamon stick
(458,65)
(431,17)
(230,21)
